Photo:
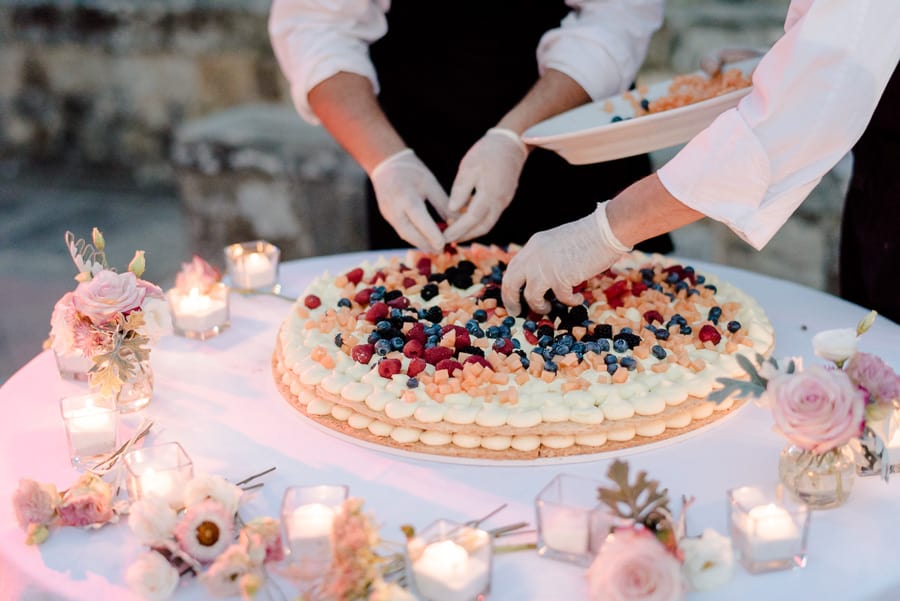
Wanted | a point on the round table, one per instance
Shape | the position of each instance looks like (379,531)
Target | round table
(218,399)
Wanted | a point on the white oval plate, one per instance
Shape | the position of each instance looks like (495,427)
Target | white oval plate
(587,134)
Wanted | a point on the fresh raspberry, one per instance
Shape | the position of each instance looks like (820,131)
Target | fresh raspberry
(416,366)
(377,312)
(423,266)
(362,353)
(436,354)
(652,316)
(413,349)
(312,301)
(479,360)
(354,276)
(401,302)
(451,365)
(709,333)
(408,282)
(637,288)
(503,345)
(378,277)
(417,332)
(530,337)
(362,297)
(388,367)
(462,335)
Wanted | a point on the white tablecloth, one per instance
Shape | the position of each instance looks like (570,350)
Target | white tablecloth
(217,398)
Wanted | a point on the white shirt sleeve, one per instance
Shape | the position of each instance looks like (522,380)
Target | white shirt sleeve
(813,94)
(601,44)
(315,39)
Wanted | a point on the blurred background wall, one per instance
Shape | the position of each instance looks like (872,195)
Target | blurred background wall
(167,123)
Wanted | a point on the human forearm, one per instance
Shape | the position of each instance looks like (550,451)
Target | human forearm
(646,209)
(347,107)
(553,93)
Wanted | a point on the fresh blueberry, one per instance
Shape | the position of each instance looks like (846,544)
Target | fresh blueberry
(383,325)
(628,363)
(526,363)
(604,345)
(545,340)
(658,352)
(396,314)
(579,347)
(529,326)
(509,321)
(734,326)
(625,330)
(376,296)
(383,347)
(493,332)
(701,279)
(645,104)
(620,346)
(711,287)
(686,330)
(480,315)
(344,302)
(550,366)
(412,383)
(433,339)
(397,343)
(612,367)
(615,119)
(373,338)
(662,334)
(338,339)
(672,277)
(561,349)
(610,359)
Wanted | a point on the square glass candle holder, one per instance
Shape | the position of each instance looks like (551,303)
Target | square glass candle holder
(307,517)
(448,561)
(768,528)
(92,422)
(199,314)
(73,366)
(572,525)
(253,266)
(162,470)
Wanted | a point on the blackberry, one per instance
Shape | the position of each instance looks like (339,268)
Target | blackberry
(472,350)
(434,314)
(429,291)
(436,277)
(466,266)
(603,330)
(545,330)
(632,340)
(391,295)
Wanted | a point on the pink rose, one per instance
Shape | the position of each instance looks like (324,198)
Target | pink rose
(634,566)
(107,294)
(875,376)
(265,532)
(817,409)
(88,502)
(197,274)
(35,503)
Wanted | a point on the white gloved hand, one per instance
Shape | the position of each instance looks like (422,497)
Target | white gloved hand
(485,183)
(402,185)
(560,259)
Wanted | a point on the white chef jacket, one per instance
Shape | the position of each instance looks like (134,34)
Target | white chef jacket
(813,95)
(600,43)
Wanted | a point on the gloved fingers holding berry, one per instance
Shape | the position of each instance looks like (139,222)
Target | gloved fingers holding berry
(559,259)
(485,183)
(403,185)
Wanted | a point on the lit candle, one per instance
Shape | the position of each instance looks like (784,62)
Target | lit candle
(771,533)
(92,430)
(254,270)
(309,531)
(196,312)
(446,572)
(166,484)
(565,529)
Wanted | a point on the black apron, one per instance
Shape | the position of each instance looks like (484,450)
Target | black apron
(870,226)
(446,80)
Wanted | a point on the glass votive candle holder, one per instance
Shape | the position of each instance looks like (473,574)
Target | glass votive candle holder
(162,470)
(73,365)
(768,528)
(307,517)
(92,422)
(253,266)
(572,525)
(448,561)
(199,314)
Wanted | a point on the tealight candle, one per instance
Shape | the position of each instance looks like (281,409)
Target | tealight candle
(310,531)
(769,531)
(253,265)
(91,422)
(571,526)
(198,314)
(450,562)
(162,470)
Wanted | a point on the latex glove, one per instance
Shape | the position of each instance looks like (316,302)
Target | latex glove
(713,62)
(402,185)
(560,259)
(485,183)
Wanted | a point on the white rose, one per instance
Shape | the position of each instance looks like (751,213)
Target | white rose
(152,577)
(157,318)
(389,591)
(835,345)
(708,560)
(216,488)
(152,520)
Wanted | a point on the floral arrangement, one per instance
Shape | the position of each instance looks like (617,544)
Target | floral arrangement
(197,275)
(819,408)
(110,317)
(39,507)
(647,555)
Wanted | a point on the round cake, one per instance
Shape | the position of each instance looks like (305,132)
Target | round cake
(418,353)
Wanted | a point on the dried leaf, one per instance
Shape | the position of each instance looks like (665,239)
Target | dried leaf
(633,501)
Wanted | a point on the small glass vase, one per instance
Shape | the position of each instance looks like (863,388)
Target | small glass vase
(821,480)
(137,391)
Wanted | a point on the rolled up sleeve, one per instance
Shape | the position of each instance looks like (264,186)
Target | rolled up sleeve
(601,44)
(813,94)
(316,39)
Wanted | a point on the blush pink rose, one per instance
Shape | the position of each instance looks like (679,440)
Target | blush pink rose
(107,294)
(197,274)
(35,503)
(875,376)
(87,503)
(817,409)
(634,566)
